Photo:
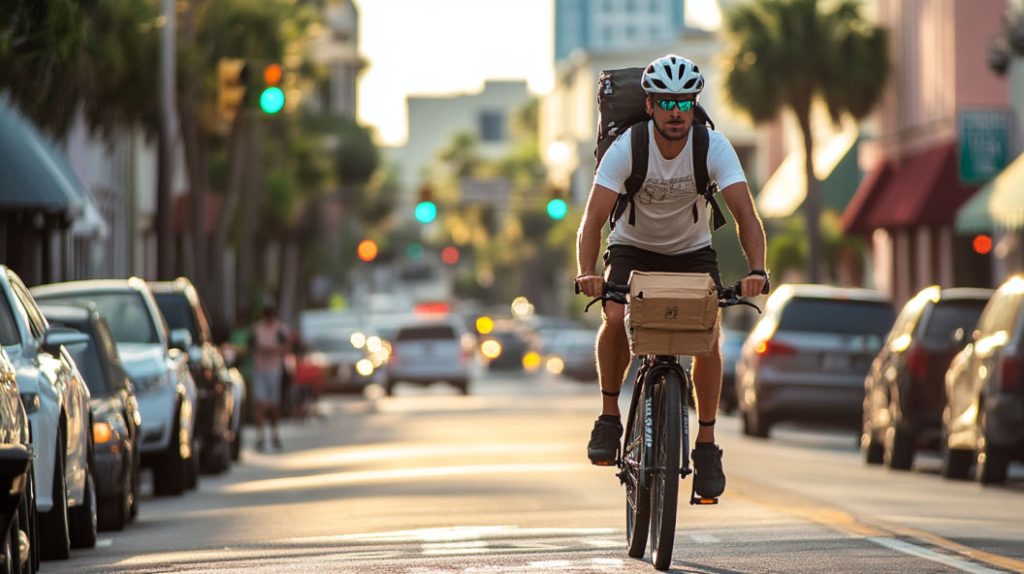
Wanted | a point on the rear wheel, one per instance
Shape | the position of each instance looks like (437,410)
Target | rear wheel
(665,487)
(171,474)
(82,519)
(899,448)
(756,423)
(993,461)
(956,463)
(638,488)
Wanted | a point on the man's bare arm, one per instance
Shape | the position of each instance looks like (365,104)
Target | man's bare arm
(588,238)
(750,230)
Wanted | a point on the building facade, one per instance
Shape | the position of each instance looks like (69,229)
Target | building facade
(917,174)
(612,25)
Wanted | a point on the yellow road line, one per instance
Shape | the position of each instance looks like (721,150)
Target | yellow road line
(788,502)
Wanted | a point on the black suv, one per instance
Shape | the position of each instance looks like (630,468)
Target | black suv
(904,392)
(179,303)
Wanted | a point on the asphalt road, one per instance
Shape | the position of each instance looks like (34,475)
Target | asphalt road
(428,482)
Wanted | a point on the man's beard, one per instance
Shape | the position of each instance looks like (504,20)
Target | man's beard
(681,137)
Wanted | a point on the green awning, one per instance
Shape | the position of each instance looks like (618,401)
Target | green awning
(997,206)
(31,178)
(835,164)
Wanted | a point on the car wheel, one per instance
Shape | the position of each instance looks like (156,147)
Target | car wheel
(899,448)
(956,463)
(389,388)
(114,513)
(133,506)
(463,387)
(756,423)
(192,465)
(872,449)
(216,456)
(171,474)
(82,519)
(54,538)
(236,444)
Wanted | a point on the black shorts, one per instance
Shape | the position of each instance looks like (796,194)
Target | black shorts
(620,260)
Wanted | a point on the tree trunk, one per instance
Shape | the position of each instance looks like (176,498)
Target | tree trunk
(195,158)
(247,249)
(164,177)
(238,158)
(812,203)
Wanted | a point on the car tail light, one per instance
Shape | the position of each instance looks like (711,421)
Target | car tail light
(917,362)
(1009,372)
(770,347)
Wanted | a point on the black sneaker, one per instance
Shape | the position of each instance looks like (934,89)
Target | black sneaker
(604,442)
(709,480)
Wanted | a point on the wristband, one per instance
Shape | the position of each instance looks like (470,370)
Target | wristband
(759,272)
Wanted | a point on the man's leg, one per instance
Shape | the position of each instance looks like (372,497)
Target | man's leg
(707,378)
(612,361)
(709,478)
(612,356)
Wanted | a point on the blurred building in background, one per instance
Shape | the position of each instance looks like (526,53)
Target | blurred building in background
(940,132)
(336,48)
(615,25)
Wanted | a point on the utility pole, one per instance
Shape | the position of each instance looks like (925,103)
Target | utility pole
(165,147)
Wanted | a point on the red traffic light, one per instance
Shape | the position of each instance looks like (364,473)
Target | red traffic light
(272,74)
(450,255)
(982,244)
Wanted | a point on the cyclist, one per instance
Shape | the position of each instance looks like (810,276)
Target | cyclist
(670,235)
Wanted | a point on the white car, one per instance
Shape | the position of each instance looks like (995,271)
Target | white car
(57,402)
(157,365)
(430,351)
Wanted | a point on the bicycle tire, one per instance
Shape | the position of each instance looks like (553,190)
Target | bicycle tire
(665,478)
(638,491)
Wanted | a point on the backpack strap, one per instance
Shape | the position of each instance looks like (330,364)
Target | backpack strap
(705,186)
(640,148)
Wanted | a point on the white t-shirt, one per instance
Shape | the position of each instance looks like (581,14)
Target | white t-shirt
(664,205)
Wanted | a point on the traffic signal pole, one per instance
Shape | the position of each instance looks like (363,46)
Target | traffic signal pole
(165,144)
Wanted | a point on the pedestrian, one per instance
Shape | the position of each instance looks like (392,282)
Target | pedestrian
(268,345)
(670,231)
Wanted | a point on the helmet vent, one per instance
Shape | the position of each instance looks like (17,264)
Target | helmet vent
(668,70)
(658,83)
(689,84)
(696,70)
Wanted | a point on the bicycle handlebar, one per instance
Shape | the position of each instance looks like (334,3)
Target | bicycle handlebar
(727,296)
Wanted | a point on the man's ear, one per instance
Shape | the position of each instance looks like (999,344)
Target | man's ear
(649,104)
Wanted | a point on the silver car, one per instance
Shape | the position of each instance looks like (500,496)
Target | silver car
(156,363)
(807,357)
(430,351)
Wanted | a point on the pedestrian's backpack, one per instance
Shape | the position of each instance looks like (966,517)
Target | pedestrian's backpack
(621,103)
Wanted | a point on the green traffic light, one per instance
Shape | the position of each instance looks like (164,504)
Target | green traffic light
(426,211)
(272,100)
(557,209)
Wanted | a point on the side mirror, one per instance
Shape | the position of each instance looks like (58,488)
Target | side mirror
(181,339)
(56,337)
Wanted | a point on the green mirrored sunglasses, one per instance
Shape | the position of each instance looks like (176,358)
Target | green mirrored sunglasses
(683,105)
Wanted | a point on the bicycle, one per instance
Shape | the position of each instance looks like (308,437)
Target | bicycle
(656,443)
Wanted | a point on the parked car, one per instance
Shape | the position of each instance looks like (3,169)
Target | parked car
(115,414)
(807,356)
(904,392)
(571,354)
(179,303)
(514,341)
(983,420)
(17,492)
(57,402)
(157,366)
(347,356)
(433,350)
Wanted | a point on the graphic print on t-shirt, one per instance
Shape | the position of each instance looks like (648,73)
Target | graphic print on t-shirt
(670,190)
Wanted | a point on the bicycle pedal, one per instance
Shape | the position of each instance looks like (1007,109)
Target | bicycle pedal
(703,501)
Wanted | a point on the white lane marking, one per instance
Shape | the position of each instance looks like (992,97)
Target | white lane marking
(604,543)
(914,550)
(549,564)
(381,477)
(702,538)
(454,533)
(104,542)
(454,548)
(608,561)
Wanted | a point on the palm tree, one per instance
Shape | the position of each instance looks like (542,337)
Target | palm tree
(786,54)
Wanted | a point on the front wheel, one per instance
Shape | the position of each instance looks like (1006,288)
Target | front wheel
(638,488)
(665,488)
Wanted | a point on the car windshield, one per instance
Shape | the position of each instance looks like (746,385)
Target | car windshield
(87,357)
(8,328)
(125,311)
(426,332)
(178,313)
(948,316)
(841,316)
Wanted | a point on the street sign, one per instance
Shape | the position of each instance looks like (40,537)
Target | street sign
(984,141)
(490,191)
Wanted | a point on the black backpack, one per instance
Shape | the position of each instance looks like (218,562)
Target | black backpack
(621,106)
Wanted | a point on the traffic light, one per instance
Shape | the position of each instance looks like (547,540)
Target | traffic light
(557,208)
(367,250)
(426,209)
(982,244)
(272,96)
(232,82)
(450,255)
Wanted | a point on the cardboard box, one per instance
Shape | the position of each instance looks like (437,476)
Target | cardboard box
(672,313)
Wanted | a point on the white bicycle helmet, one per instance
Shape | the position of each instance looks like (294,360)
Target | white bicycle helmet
(672,74)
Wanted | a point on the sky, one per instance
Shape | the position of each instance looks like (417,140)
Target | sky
(441,47)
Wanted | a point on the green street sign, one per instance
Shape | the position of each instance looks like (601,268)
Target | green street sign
(984,141)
